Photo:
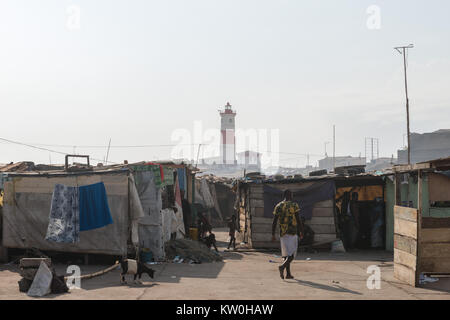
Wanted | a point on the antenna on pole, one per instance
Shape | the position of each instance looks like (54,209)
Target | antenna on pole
(198,153)
(107,152)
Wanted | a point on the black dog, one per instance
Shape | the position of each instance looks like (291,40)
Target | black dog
(135,268)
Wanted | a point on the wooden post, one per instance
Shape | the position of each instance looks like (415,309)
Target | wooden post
(419,222)
(398,196)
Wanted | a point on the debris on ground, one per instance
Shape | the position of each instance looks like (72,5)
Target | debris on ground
(39,283)
(42,281)
(337,246)
(190,251)
(425,279)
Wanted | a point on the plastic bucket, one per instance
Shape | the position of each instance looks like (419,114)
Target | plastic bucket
(193,233)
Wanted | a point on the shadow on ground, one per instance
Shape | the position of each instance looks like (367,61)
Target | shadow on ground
(315,285)
(443,285)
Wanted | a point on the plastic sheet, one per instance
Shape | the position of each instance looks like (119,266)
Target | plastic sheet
(42,282)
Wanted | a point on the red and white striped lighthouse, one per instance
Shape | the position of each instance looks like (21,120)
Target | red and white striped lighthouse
(228,140)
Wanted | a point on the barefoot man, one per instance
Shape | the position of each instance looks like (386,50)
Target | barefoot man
(291,229)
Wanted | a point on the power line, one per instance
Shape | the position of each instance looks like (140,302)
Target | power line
(118,146)
(155,146)
(43,149)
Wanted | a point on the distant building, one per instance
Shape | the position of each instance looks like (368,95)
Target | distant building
(380,164)
(427,146)
(329,163)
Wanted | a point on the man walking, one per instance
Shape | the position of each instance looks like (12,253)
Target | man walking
(291,229)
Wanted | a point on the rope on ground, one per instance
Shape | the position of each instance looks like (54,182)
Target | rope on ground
(96,274)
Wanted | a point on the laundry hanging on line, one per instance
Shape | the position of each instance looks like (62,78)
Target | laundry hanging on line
(76,209)
(94,209)
(64,223)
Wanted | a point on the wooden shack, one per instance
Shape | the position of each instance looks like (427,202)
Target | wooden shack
(255,212)
(422,220)
(26,207)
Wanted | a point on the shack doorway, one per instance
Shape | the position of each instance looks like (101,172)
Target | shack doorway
(361,214)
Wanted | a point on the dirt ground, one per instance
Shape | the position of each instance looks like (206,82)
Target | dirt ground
(247,275)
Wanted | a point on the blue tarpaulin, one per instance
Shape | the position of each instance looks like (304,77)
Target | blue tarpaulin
(306,198)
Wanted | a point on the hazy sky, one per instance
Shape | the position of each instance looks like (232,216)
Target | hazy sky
(136,71)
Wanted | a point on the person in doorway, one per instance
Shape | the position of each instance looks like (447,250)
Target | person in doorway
(291,230)
(232,232)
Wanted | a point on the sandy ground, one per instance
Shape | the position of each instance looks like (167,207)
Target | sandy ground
(247,275)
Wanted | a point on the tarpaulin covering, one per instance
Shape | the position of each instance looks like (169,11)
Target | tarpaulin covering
(136,211)
(156,169)
(150,226)
(27,206)
(365,193)
(203,194)
(169,223)
(306,198)
(179,227)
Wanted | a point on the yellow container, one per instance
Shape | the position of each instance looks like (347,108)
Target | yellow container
(193,233)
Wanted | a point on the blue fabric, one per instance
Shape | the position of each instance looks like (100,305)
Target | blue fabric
(94,209)
(181,177)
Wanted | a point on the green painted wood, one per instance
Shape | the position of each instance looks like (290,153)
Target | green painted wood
(390,202)
(439,212)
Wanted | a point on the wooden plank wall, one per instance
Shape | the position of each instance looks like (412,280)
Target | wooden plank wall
(405,244)
(244,217)
(434,245)
(322,222)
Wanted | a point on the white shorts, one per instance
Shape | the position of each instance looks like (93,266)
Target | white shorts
(289,245)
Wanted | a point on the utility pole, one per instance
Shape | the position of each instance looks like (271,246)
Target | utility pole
(334,147)
(403,51)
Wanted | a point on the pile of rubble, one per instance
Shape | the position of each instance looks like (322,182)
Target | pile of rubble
(39,277)
(190,251)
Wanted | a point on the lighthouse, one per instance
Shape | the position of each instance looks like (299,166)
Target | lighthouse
(227,129)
